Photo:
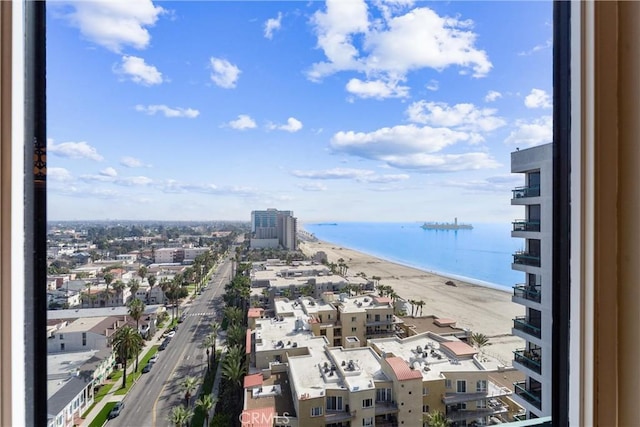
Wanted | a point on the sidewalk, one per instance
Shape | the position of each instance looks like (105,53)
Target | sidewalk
(111,396)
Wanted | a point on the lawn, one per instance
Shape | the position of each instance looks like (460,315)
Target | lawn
(101,418)
(102,392)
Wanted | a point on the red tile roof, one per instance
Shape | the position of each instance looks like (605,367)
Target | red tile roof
(255,312)
(459,348)
(252,380)
(382,300)
(247,343)
(402,370)
(261,417)
(444,321)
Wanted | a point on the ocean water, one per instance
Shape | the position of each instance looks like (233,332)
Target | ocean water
(482,255)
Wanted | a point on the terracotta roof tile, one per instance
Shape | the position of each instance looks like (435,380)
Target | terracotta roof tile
(252,380)
(402,370)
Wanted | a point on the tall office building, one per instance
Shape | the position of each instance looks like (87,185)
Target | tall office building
(272,227)
(535,261)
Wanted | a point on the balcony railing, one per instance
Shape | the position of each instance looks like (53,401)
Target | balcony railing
(524,225)
(522,324)
(470,414)
(332,416)
(529,359)
(528,191)
(531,293)
(526,258)
(531,396)
(385,407)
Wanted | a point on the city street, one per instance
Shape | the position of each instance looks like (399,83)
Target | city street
(154,395)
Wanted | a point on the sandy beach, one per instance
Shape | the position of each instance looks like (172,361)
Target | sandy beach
(479,308)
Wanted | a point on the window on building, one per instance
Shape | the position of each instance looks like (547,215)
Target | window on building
(61,336)
(383,395)
(317,411)
(461,386)
(367,421)
(62,347)
(447,384)
(354,329)
(353,319)
(334,403)
(481,404)
(84,338)
(367,403)
(425,391)
(481,386)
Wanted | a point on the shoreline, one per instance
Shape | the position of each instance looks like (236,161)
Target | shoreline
(479,306)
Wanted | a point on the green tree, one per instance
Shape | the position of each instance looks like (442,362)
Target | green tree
(233,369)
(436,419)
(205,403)
(234,315)
(180,416)
(236,335)
(215,330)
(134,286)
(479,340)
(152,281)
(136,310)
(189,385)
(126,343)
(142,272)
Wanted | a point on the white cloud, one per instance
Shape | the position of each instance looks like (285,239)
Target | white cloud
(459,116)
(529,133)
(59,174)
(433,85)
(313,186)
(492,95)
(131,162)
(242,122)
(138,71)
(272,25)
(538,98)
(168,112)
(224,73)
(387,51)
(547,45)
(135,181)
(74,150)
(109,172)
(498,184)
(293,125)
(360,175)
(115,24)
(378,89)
(412,147)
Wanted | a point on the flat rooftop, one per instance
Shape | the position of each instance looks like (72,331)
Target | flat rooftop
(364,302)
(61,367)
(432,356)
(273,392)
(281,332)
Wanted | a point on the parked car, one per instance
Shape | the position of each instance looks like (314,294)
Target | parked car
(154,358)
(147,367)
(115,411)
(164,344)
(171,334)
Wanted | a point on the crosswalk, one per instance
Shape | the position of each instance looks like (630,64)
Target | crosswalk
(204,313)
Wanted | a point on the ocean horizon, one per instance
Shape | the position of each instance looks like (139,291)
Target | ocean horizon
(482,255)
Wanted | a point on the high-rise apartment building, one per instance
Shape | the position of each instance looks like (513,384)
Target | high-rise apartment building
(534,294)
(273,228)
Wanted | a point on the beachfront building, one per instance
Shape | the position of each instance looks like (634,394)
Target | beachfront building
(298,378)
(534,261)
(272,228)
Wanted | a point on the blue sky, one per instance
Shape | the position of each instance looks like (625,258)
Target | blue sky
(338,110)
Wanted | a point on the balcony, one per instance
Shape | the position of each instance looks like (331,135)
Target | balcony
(493,391)
(522,324)
(524,225)
(531,293)
(381,322)
(531,396)
(528,191)
(386,407)
(332,416)
(526,258)
(471,414)
(531,359)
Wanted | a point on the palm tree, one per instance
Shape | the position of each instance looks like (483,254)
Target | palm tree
(215,329)
(119,286)
(205,403)
(411,302)
(134,285)
(234,315)
(142,272)
(189,385)
(233,369)
(108,278)
(436,419)
(126,343)
(236,335)
(179,416)
(208,342)
(420,304)
(479,340)
(152,281)
(136,310)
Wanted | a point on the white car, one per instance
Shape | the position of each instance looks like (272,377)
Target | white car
(154,358)
(170,334)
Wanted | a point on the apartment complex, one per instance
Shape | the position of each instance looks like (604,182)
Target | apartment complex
(302,375)
(272,228)
(534,294)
